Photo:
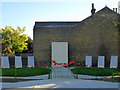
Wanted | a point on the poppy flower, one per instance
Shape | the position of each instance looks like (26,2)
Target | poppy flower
(57,63)
(60,64)
(53,61)
(42,65)
(68,63)
(91,66)
(82,64)
(65,63)
(72,61)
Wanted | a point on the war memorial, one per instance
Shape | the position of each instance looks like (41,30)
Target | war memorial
(93,43)
(94,36)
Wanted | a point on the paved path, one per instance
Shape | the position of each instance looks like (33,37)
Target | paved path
(62,73)
(62,78)
(44,77)
(62,83)
(30,77)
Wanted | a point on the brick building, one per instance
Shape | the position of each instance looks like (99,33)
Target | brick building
(97,35)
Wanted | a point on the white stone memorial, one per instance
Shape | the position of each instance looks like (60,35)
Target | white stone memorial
(114,62)
(60,52)
(88,61)
(18,62)
(5,62)
(30,61)
(101,61)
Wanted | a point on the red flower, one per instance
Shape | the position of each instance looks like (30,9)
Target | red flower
(86,65)
(57,64)
(46,64)
(91,66)
(65,63)
(82,64)
(42,65)
(78,63)
(60,64)
(71,62)
(53,61)
(36,66)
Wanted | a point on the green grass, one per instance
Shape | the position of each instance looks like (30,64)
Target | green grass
(96,71)
(24,72)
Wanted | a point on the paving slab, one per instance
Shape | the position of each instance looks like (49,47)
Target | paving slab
(62,83)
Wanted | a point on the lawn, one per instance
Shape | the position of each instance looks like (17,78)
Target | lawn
(24,72)
(96,71)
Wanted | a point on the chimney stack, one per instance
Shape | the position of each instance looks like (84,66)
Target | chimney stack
(115,10)
(93,9)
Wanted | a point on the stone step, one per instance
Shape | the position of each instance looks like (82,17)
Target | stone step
(62,73)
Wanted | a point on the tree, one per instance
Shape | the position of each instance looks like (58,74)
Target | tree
(13,40)
(29,46)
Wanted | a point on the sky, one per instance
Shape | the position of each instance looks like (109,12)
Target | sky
(24,13)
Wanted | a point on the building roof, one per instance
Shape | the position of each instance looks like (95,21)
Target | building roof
(71,23)
(106,9)
(61,23)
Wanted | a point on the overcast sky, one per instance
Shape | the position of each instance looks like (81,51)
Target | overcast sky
(26,12)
